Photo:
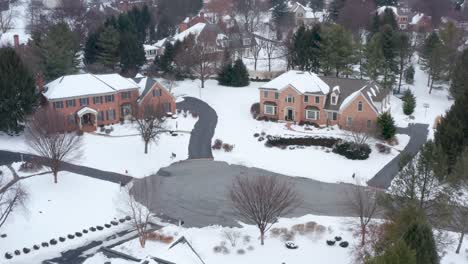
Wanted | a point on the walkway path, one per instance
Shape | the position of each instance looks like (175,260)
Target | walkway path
(8,157)
(203,131)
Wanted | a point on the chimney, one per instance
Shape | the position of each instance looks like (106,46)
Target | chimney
(39,83)
(182,27)
(16,41)
(202,15)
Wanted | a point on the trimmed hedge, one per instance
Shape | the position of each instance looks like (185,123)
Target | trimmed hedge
(352,150)
(302,141)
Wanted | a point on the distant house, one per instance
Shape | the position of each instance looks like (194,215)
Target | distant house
(88,100)
(402,15)
(303,15)
(421,23)
(150,51)
(298,96)
(192,21)
(127,5)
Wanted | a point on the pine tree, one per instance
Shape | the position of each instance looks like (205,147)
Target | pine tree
(397,253)
(17,90)
(108,47)
(386,2)
(225,75)
(402,55)
(409,102)
(240,74)
(335,8)
(58,50)
(409,75)
(386,125)
(389,50)
(374,58)
(91,49)
(433,59)
(132,54)
(388,18)
(459,85)
(419,237)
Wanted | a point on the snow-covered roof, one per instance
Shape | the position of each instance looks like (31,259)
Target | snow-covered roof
(194,30)
(86,84)
(304,82)
(381,9)
(149,47)
(415,20)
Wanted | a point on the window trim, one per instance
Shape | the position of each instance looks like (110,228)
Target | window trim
(106,98)
(317,99)
(71,104)
(349,121)
(287,99)
(360,106)
(306,98)
(58,104)
(334,99)
(316,114)
(265,94)
(273,107)
(86,99)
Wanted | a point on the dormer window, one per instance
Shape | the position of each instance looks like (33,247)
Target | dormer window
(334,99)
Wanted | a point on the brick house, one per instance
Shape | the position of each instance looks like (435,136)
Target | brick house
(88,100)
(298,96)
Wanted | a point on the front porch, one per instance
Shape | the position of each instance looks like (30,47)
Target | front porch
(87,119)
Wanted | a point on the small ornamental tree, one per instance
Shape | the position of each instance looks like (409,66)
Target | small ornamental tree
(409,75)
(386,125)
(240,74)
(409,102)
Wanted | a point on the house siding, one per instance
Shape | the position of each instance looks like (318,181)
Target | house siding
(359,118)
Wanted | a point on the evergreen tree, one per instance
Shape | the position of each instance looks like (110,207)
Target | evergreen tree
(299,49)
(433,59)
(459,85)
(402,55)
(240,74)
(316,4)
(386,2)
(409,75)
(386,125)
(374,58)
(389,50)
(397,253)
(335,8)
(166,61)
(280,11)
(132,54)
(91,49)
(17,91)
(388,18)
(225,75)
(108,47)
(419,237)
(409,102)
(58,49)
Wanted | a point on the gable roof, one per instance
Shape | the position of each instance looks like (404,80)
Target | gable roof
(304,82)
(86,84)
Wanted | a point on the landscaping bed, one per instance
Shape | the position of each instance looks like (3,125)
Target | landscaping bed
(327,142)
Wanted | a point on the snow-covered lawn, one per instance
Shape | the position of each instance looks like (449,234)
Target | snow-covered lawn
(236,126)
(428,106)
(312,244)
(75,203)
(122,150)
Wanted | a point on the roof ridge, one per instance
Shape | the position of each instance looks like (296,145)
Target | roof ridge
(103,81)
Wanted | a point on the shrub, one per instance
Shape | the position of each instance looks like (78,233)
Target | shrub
(99,228)
(308,123)
(17,252)
(386,126)
(338,238)
(260,139)
(26,250)
(78,234)
(250,248)
(85,231)
(288,236)
(45,244)
(70,236)
(36,247)
(108,131)
(352,150)
(382,148)
(107,225)
(299,228)
(62,239)
(409,75)
(256,135)
(310,226)
(234,75)
(228,147)
(302,141)
(121,220)
(409,102)
(114,223)
(246,239)
(3,235)
(29,166)
(344,244)
(331,242)
(221,249)
(128,218)
(320,229)
(102,129)
(53,241)
(92,229)
(255,110)
(278,231)
(217,144)
(241,251)
(8,255)
(155,236)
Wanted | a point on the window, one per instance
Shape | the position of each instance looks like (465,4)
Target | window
(100,116)
(84,101)
(246,42)
(369,123)
(265,94)
(110,114)
(359,106)
(349,121)
(97,100)
(156,92)
(70,103)
(306,98)
(276,95)
(317,99)
(312,114)
(58,104)
(289,99)
(109,98)
(332,116)
(269,109)
(71,119)
(167,107)
(333,99)
(126,95)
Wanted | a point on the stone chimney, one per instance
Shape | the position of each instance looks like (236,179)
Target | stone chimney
(16,43)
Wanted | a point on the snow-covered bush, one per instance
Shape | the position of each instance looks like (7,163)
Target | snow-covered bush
(26,250)
(232,236)
(241,251)
(78,234)
(256,135)
(338,238)
(331,242)
(70,236)
(344,244)
(228,147)
(107,225)
(382,148)
(36,247)
(17,252)
(45,244)
(310,226)
(299,228)
(114,223)
(8,255)
(217,144)
(62,239)
(250,248)
(85,231)
(352,150)
(99,228)
(92,229)
(53,241)
(288,236)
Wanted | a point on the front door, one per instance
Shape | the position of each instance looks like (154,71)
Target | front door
(289,114)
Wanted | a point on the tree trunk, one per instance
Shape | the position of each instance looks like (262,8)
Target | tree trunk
(401,76)
(146,147)
(262,237)
(202,82)
(55,175)
(428,79)
(462,235)
(269,64)
(255,64)
(363,235)
(432,84)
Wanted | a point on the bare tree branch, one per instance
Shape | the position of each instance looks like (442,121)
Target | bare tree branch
(150,125)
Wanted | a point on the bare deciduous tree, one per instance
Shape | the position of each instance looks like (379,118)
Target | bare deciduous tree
(6,21)
(248,12)
(271,46)
(261,200)
(47,136)
(12,195)
(203,58)
(359,133)
(138,210)
(150,125)
(256,49)
(363,202)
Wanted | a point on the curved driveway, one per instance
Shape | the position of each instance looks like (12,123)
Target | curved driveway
(203,131)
